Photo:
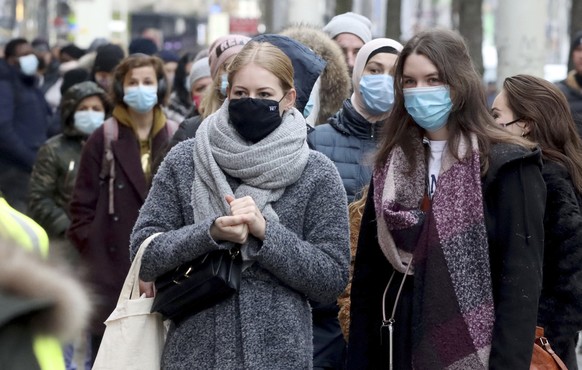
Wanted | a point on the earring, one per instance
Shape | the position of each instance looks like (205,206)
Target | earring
(523,133)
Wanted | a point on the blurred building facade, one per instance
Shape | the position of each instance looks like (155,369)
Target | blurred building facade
(187,24)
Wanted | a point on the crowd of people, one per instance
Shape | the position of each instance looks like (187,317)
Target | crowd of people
(385,214)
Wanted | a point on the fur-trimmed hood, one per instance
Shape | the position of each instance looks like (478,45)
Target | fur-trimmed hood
(56,302)
(336,84)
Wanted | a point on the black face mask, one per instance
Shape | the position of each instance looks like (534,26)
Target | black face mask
(254,119)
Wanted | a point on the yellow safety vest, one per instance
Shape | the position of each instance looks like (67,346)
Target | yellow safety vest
(24,231)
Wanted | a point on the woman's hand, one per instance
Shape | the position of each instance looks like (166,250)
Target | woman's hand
(249,213)
(230,228)
(148,288)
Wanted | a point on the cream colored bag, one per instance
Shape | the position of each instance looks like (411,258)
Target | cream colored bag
(134,337)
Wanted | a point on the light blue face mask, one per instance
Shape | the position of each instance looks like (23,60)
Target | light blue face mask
(309,106)
(377,92)
(87,121)
(28,64)
(429,106)
(141,98)
(223,83)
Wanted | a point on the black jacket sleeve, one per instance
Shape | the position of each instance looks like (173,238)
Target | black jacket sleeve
(514,205)
(560,311)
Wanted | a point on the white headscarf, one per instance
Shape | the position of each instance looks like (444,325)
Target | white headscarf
(359,65)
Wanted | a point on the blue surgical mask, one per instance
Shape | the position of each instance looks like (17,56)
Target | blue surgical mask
(429,106)
(28,64)
(223,83)
(141,98)
(309,106)
(377,92)
(87,121)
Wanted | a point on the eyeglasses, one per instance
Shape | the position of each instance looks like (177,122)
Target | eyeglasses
(504,125)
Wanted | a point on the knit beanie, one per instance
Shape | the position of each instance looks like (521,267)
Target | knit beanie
(350,23)
(223,48)
(168,56)
(99,41)
(73,51)
(73,77)
(107,58)
(200,69)
(142,45)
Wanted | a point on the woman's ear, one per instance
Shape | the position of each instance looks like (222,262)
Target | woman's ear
(289,100)
(527,126)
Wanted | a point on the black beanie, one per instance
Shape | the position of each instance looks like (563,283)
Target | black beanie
(107,58)
(576,41)
(73,51)
(73,77)
(142,45)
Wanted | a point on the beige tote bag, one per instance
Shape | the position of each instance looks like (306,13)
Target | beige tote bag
(134,337)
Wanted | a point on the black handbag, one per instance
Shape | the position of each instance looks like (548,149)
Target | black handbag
(198,285)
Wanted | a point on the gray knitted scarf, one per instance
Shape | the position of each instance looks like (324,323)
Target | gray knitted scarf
(265,169)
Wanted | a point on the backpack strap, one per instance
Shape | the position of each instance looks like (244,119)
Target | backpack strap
(110,133)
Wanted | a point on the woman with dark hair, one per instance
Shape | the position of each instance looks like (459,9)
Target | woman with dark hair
(449,260)
(109,191)
(180,103)
(537,109)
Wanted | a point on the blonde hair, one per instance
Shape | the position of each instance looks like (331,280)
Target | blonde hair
(267,56)
(212,98)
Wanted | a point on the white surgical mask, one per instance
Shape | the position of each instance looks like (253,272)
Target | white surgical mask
(87,121)
(141,98)
(28,64)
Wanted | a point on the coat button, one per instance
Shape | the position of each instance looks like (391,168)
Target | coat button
(115,218)
(112,249)
(120,186)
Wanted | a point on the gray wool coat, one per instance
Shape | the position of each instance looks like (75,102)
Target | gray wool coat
(267,325)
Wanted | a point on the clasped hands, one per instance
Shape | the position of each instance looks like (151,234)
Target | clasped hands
(245,218)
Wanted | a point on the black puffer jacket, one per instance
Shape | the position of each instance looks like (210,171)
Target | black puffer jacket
(349,141)
(560,308)
(55,169)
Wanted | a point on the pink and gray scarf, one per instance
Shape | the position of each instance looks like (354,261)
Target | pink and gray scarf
(453,311)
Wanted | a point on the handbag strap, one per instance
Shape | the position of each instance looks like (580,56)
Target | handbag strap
(545,344)
(391,320)
(130,288)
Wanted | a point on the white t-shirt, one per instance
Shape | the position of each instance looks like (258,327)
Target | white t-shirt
(434,164)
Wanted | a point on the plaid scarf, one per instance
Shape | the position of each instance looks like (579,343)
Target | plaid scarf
(452,313)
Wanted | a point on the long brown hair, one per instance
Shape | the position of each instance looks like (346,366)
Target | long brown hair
(544,107)
(469,114)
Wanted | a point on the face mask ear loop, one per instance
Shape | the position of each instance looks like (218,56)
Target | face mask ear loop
(283,97)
